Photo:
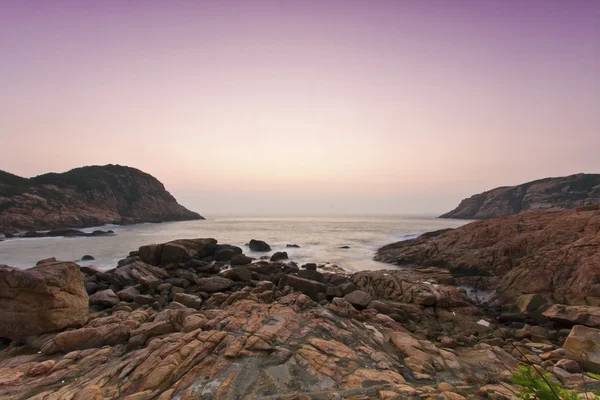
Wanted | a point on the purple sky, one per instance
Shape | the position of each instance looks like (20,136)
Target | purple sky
(304,106)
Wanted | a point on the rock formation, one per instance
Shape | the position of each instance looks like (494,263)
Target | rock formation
(545,194)
(555,254)
(172,322)
(41,299)
(86,196)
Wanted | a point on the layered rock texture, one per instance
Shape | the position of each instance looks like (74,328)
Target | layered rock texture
(173,322)
(86,196)
(42,299)
(545,194)
(555,254)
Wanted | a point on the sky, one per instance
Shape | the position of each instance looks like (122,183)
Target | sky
(306,106)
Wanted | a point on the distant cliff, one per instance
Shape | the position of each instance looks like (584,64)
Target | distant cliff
(545,194)
(86,196)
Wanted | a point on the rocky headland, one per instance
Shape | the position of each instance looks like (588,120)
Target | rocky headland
(195,319)
(83,197)
(567,192)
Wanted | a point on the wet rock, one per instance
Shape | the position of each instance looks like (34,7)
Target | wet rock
(292,246)
(104,298)
(224,252)
(280,255)
(258,245)
(310,266)
(87,257)
(67,232)
(41,299)
(240,259)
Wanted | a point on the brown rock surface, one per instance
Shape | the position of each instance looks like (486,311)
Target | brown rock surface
(41,299)
(87,196)
(545,194)
(554,253)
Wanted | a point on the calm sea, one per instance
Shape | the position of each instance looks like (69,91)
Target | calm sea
(319,238)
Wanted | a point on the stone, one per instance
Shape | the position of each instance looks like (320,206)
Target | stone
(41,299)
(104,298)
(240,259)
(358,298)
(237,274)
(310,266)
(569,366)
(87,337)
(138,272)
(292,246)
(529,330)
(259,245)
(182,250)
(188,300)
(528,303)
(213,284)
(280,255)
(583,345)
(143,299)
(87,257)
(306,286)
(576,315)
(224,252)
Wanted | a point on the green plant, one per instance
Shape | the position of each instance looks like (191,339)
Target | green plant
(536,384)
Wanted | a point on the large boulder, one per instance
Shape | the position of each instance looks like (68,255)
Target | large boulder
(583,344)
(579,315)
(259,245)
(41,299)
(224,252)
(177,251)
(240,259)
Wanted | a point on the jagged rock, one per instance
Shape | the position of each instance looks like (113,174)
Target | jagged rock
(259,245)
(41,299)
(526,254)
(138,273)
(105,298)
(393,285)
(576,315)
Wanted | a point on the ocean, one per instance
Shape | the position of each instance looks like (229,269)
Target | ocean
(320,238)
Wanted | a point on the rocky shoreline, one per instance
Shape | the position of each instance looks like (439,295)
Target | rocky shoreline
(194,319)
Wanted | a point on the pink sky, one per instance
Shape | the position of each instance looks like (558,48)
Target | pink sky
(304,106)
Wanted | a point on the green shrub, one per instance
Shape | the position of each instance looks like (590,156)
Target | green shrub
(535,384)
